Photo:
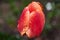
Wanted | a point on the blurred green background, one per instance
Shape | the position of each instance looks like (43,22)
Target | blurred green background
(10,11)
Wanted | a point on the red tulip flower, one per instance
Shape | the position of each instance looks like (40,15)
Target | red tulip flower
(32,20)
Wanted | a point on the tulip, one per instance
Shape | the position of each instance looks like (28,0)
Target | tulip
(32,20)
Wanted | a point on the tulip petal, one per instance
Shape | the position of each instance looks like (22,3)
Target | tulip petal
(23,21)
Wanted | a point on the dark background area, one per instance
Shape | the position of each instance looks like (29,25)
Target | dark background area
(10,11)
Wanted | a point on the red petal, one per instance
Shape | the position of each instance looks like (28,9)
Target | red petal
(36,24)
(23,21)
